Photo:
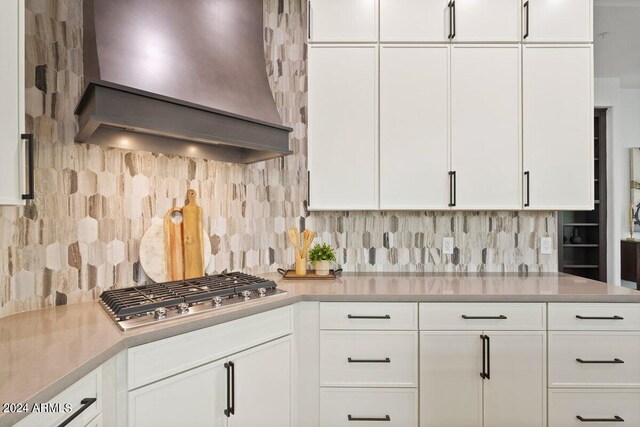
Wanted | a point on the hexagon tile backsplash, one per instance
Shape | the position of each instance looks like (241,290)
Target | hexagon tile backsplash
(81,234)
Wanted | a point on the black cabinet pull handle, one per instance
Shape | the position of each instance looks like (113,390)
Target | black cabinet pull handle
(86,402)
(453,14)
(452,188)
(351,316)
(599,317)
(385,360)
(488,374)
(308,188)
(30,194)
(232,409)
(450,21)
(616,360)
(309,19)
(501,317)
(527,203)
(385,418)
(483,374)
(227,411)
(526,8)
(615,419)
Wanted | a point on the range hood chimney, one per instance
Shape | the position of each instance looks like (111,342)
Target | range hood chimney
(179,77)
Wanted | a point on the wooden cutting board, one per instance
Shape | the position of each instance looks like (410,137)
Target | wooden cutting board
(173,244)
(192,237)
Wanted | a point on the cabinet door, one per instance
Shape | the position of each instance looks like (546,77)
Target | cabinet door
(343,20)
(11,101)
(485,126)
(515,393)
(450,383)
(557,21)
(486,20)
(262,386)
(558,127)
(414,21)
(343,123)
(194,398)
(414,129)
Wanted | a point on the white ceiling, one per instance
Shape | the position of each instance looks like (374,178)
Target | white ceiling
(618,54)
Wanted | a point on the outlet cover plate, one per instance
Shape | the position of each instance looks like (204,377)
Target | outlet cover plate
(447,245)
(546,245)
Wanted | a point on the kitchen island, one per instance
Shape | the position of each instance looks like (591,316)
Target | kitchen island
(32,342)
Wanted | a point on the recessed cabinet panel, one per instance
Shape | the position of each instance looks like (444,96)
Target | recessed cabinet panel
(11,101)
(450,383)
(343,20)
(515,393)
(343,123)
(485,126)
(414,127)
(566,21)
(558,127)
(414,21)
(486,20)
(193,398)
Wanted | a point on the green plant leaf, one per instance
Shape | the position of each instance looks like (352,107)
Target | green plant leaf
(322,252)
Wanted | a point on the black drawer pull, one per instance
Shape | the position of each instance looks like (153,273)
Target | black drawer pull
(599,318)
(385,418)
(30,194)
(385,360)
(615,419)
(501,317)
(616,360)
(86,402)
(351,316)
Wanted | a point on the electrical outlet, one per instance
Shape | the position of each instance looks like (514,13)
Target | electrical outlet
(447,245)
(546,245)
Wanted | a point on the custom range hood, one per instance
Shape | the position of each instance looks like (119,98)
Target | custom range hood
(179,77)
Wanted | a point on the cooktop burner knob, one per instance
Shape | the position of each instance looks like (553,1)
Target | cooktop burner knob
(217,301)
(160,313)
(262,291)
(246,295)
(183,308)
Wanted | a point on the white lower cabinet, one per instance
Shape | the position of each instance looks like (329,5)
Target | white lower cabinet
(246,389)
(372,407)
(490,378)
(194,398)
(599,407)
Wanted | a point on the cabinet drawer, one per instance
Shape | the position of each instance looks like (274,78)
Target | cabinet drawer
(89,387)
(391,407)
(365,315)
(479,316)
(565,406)
(372,359)
(606,359)
(163,358)
(594,317)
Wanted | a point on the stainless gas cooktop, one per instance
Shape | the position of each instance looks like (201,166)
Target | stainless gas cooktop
(144,305)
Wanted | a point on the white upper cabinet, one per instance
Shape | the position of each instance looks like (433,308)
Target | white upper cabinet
(564,21)
(343,127)
(414,21)
(343,20)
(485,20)
(558,127)
(485,126)
(414,125)
(12,121)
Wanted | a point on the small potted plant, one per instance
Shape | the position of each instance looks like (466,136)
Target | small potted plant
(322,255)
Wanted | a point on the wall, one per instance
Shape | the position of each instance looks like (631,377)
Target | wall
(623,128)
(81,234)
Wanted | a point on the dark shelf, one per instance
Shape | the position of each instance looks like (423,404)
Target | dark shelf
(585,266)
(581,224)
(581,245)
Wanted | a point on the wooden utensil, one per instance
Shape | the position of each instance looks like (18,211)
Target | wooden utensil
(294,238)
(307,239)
(173,248)
(192,237)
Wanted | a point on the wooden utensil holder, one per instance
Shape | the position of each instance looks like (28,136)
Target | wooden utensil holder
(301,266)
